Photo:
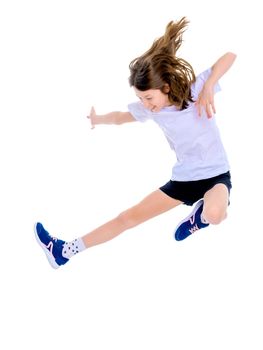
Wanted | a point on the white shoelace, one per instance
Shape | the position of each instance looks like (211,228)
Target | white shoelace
(194,229)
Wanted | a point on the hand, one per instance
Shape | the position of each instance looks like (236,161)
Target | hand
(92,117)
(206,101)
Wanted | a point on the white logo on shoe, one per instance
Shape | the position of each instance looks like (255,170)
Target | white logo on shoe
(50,246)
(192,220)
(194,229)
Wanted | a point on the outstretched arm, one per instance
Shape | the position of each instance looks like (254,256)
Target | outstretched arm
(206,97)
(116,118)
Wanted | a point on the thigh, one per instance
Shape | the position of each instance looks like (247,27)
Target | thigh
(188,192)
(154,204)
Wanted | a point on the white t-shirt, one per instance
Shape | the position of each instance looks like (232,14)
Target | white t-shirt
(195,140)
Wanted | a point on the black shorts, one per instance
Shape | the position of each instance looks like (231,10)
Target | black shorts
(190,192)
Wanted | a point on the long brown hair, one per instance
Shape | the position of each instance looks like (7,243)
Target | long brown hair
(159,68)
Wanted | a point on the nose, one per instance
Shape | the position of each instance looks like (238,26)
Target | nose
(146,104)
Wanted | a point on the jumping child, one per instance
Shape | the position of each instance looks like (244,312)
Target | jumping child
(182,105)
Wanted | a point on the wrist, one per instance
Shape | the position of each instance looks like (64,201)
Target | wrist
(210,82)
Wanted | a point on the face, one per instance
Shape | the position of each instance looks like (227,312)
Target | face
(153,99)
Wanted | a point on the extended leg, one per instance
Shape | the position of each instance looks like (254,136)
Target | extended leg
(154,204)
(59,252)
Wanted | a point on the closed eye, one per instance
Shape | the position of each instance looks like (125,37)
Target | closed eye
(145,98)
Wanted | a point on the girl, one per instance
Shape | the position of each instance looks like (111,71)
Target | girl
(183,107)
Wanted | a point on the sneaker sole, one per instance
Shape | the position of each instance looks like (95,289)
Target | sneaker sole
(49,256)
(188,217)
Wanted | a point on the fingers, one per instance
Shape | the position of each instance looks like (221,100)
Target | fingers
(92,111)
(212,109)
(207,106)
(91,117)
(199,106)
(205,101)
(208,110)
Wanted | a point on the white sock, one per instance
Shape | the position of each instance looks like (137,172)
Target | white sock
(73,247)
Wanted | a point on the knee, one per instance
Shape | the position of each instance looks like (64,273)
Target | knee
(128,219)
(214,215)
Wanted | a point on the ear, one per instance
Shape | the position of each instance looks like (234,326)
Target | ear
(166,88)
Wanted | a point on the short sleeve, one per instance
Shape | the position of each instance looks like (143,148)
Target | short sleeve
(199,83)
(139,112)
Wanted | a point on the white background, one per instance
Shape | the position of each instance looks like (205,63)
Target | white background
(142,290)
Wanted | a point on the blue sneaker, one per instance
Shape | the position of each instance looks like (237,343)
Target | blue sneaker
(191,223)
(51,246)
